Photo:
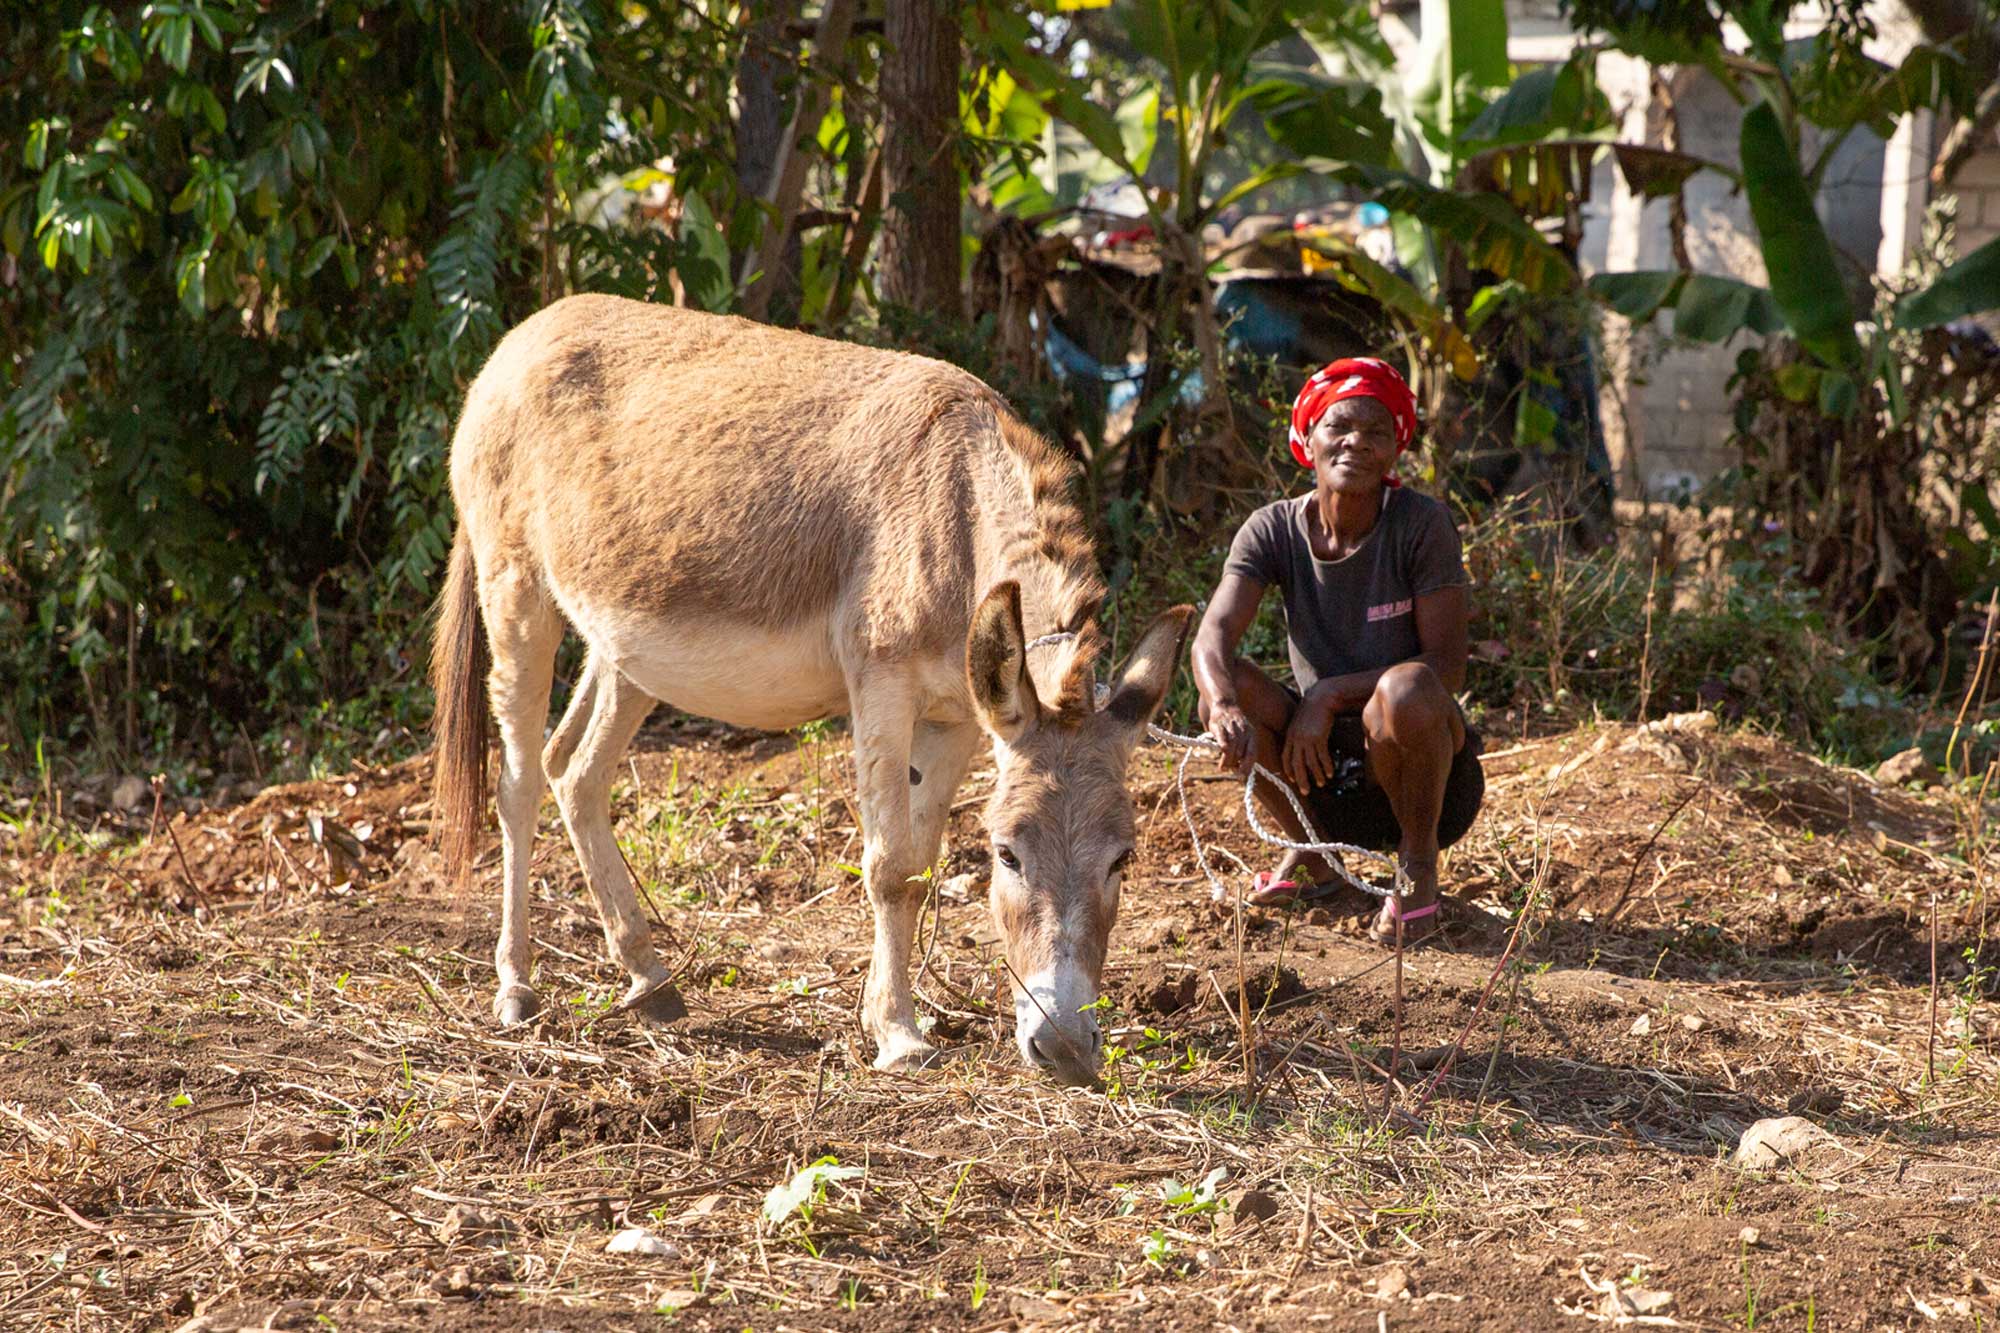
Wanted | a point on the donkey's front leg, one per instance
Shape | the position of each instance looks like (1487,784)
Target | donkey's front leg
(884,711)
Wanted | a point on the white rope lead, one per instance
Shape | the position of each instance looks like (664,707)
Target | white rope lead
(1339,851)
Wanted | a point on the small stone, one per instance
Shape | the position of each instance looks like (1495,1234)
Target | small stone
(959,888)
(1625,1302)
(473,1226)
(1642,1025)
(457,1282)
(1693,1022)
(638,1240)
(1781,877)
(1778,1140)
(1749,1236)
(1392,1281)
(131,792)
(1909,766)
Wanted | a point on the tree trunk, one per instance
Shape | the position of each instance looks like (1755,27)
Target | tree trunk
(920,225)
(764,73)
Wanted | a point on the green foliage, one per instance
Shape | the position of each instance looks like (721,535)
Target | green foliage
(1969,287)
(1805,280)
(257,251)
(1563,632)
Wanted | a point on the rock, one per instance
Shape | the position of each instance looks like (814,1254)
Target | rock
(467,1225)
(1625,1302)
(1642,1025)
(1673,755)
(1392,1281)
(1779,1141)
(131,793)
(1693,1022)
(458,1282)
(1909,766)
(638,1240)
(1749,1236)
(959,888)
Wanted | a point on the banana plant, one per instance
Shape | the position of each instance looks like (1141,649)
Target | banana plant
(1212,64)
(1824,81)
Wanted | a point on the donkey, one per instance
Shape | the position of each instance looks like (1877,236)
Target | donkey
(765,528)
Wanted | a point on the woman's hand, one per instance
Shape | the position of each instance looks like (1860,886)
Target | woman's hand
(1231,729)
(1308,763)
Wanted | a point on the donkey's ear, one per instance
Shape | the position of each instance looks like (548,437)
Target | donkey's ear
(996,665)
(1142,685)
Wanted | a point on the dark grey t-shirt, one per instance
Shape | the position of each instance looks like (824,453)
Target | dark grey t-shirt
(1358,613)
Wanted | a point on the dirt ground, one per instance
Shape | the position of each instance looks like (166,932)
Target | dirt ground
(250,1077)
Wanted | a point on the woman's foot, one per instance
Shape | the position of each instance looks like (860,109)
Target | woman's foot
(1300,875)
(1417,910)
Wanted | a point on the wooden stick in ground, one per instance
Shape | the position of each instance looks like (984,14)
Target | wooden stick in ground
(1396,1040)
(1243,1004)
(1974,688)
(1458,1043)
(1930,1042)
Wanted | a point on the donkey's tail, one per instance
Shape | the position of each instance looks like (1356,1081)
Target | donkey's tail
(462,720)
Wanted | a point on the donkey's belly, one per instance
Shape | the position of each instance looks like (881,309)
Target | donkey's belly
(734,673)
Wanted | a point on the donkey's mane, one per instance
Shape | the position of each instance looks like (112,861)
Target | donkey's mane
(1059,540)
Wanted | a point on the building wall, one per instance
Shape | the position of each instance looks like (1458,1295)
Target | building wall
(1666,403)
(1978,191)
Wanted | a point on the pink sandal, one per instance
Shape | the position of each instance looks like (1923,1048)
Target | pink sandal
(1397,913)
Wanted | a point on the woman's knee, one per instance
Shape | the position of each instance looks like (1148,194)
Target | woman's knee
(1409,697)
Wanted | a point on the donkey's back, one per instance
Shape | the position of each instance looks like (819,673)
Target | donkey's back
(700,494)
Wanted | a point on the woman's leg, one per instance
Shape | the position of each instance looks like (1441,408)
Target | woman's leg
(1413,730)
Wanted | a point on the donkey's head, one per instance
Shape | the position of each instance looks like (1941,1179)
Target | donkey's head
(1060,819)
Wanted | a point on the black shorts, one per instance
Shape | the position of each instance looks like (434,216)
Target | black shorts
(1354,810)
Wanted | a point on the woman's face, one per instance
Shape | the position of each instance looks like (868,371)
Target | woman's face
(1353,446)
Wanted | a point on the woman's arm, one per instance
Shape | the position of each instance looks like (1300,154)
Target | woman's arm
(1229,615)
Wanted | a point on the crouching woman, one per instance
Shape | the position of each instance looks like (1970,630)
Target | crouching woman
(1375,599)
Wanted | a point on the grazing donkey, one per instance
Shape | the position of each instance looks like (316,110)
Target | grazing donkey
(764,527)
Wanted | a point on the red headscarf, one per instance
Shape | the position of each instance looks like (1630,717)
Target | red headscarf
(1353,377)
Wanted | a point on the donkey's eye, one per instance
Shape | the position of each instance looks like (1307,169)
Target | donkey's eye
(1006,855)
(1118,866)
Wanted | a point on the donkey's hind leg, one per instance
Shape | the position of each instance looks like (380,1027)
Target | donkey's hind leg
(582,758)
(524,629)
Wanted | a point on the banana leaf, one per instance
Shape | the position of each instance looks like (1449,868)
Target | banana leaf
(1358,273)
(1706,308)
(1798,257)
(1541,179)
(1969,287)
(1493,236)
(1540,102)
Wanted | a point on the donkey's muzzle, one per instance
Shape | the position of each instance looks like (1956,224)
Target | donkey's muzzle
(1068,1052)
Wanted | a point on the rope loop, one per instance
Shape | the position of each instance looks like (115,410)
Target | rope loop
(1190,745)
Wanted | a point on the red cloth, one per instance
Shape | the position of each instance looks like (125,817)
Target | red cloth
(1353,377)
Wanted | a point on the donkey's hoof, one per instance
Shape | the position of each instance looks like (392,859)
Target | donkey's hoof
(516,1005)
(658,1003)
(904,1057)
